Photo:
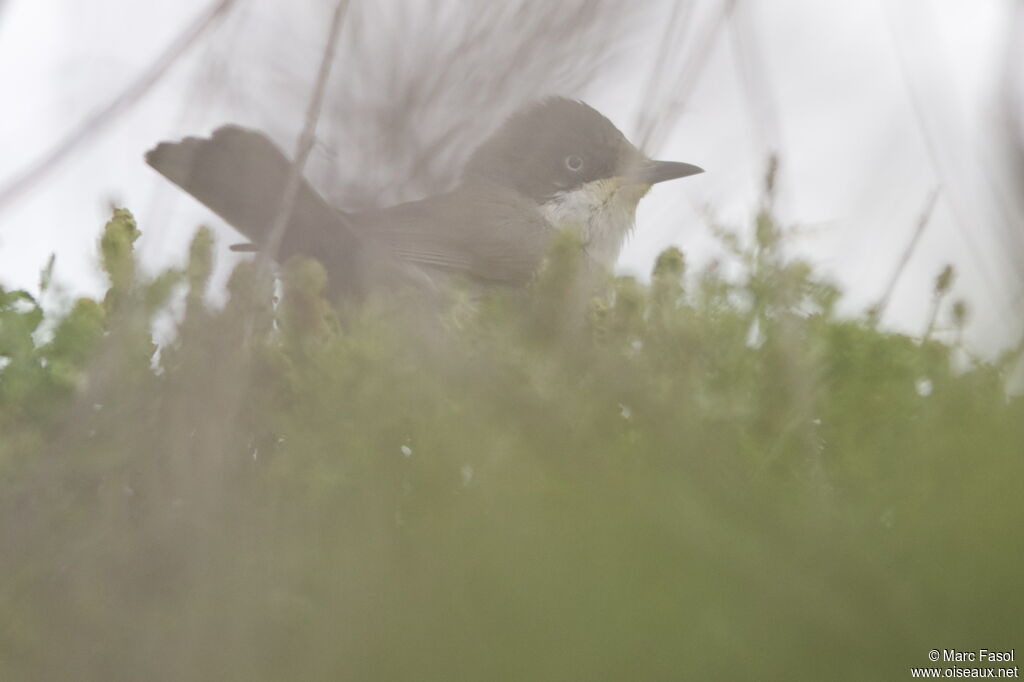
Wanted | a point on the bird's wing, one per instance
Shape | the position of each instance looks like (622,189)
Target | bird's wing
(486,233)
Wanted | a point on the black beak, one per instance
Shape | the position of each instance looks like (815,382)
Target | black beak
(652,172)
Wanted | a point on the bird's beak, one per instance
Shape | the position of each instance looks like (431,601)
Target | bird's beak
(651,172)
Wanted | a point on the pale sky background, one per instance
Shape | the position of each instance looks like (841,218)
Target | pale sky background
(870,105)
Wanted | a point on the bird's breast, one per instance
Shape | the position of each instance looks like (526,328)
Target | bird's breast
(603,212)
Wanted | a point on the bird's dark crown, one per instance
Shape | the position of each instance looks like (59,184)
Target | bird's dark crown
(555,145)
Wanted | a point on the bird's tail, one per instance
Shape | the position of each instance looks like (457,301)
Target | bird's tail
(241,176)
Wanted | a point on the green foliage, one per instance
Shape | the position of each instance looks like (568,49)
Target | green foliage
(700,478)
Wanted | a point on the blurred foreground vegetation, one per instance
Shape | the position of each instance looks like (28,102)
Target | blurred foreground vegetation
(701,478)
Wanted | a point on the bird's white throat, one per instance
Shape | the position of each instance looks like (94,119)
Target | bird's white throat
(602,211)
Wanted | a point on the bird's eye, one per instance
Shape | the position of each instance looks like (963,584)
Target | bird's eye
(573,163)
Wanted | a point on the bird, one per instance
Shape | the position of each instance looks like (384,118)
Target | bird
(556,165)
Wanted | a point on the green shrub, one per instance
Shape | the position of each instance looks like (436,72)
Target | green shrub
(699,478)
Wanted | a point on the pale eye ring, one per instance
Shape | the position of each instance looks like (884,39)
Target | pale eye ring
(573,163)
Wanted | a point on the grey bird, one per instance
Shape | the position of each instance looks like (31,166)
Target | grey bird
(556,165)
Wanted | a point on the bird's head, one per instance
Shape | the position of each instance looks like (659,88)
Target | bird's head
(577,166)
(561,144)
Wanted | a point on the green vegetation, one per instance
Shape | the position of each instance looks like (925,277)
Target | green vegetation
(700,478)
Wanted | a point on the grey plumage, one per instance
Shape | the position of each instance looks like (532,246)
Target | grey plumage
(494,228)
